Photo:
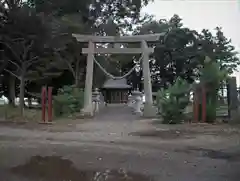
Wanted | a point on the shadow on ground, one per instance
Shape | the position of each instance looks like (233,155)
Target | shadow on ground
(213,154)
(165,134)
(54,168)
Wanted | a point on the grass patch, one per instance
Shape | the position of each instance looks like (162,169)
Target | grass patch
(9,113)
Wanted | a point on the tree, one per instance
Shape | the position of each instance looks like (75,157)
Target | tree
(67,17)
(181,53)
(175,54)
(94,13)
(225,52)
(219,49)
(22,44)
(71,59)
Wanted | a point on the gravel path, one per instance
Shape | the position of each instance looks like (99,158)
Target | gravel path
(111,148)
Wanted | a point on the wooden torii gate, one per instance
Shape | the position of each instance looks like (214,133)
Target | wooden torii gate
(149,110)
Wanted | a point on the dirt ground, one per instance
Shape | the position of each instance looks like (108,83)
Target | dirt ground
(119,149)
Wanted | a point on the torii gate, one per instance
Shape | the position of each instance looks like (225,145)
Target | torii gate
(149,110)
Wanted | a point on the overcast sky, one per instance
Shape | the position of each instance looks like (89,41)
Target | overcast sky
(200,14)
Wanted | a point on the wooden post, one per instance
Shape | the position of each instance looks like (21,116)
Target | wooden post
(195,106)
(88,108)
(204,104)
(44,90)
(50,104)
(149,110)
(233,102)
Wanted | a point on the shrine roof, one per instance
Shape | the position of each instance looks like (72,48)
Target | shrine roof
(116,84)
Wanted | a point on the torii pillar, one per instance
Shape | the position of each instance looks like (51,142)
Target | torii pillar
(88,107)
(149,110)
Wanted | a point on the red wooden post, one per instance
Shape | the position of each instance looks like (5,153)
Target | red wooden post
(195,106)
(204,104)
(50,104)
(44,90)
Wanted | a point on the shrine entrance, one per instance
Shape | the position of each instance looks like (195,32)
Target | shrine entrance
(118,42)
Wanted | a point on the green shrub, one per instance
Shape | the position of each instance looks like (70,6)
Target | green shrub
(211,113)
(173,101)
(69,100)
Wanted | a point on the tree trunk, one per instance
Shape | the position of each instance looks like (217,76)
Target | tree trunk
(82,75)
(77,73)
(22,89)
(29,102)
(12,96)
